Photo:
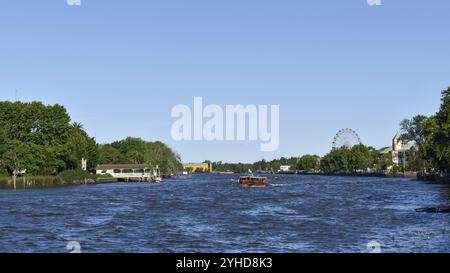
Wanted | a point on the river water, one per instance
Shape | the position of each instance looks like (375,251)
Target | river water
(212,213)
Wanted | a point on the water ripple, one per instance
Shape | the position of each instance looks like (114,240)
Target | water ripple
(212,213)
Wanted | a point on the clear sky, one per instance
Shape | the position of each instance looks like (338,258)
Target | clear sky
(120,66)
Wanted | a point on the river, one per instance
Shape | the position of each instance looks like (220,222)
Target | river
(212,213)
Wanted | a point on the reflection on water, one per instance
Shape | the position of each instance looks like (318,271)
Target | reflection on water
(212,213)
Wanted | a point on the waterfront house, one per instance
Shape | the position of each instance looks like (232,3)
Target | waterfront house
(130,172)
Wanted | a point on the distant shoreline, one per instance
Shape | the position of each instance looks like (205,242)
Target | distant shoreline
(381,175)
(55,182)
(408,175)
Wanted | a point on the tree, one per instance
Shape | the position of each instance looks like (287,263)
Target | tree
(137,151)
(440,137)
(307,163)
(133,150)
(163,156)
(414,162)
(361,158)
(358,158)
(109,155)
(416,129)
(337,161)
(78,146)
(22,156)
(432,135)
(382,162)
(41,137)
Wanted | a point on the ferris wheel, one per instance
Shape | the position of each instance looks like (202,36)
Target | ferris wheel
(346,138)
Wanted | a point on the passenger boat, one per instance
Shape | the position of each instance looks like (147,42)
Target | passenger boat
(253,182)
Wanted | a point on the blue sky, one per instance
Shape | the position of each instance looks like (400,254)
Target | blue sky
(120,66)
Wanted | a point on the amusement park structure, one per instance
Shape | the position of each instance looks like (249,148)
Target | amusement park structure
(346,138)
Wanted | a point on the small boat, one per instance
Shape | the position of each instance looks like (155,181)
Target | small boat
(253,182)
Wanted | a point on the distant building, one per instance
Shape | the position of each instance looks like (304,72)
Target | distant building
(285,168)
(195,168)
(399,150)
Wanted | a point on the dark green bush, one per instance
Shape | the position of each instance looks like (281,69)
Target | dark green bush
(75,176)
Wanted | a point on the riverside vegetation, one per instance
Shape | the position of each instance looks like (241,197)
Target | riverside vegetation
(42,141)
(431,158)
(42,144)
(432,135)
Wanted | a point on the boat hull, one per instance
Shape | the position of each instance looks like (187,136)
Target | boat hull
(253,182)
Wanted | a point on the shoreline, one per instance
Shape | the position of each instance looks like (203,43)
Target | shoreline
(54,182)
(380,175)
(6,183)
(408,175)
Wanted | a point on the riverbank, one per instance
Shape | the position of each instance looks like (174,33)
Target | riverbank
(435,178)
(412,175)
(43,182)
(35,182)
(66,180)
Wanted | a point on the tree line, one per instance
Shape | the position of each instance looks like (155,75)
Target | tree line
(137,151)
(432,136)
(42,140)
(343,160)
(358,159)
(430,154)
(307,162)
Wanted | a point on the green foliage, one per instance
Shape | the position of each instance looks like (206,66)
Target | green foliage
(19,156)
(432,135)
(109,155)
(35,182)
(382,162)
(163,156)
(40,139)
(79,145)
(357,159)
(415,129)
(260,166)
(307,163)
(361,158)
(440,138)
(75,176)
(34,123)
(336,161)
(138,151)
(232,167)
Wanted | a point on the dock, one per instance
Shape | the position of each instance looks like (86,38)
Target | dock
(131,172)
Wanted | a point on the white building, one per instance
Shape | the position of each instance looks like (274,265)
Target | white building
(130,172)
(285,168)
(399,150)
